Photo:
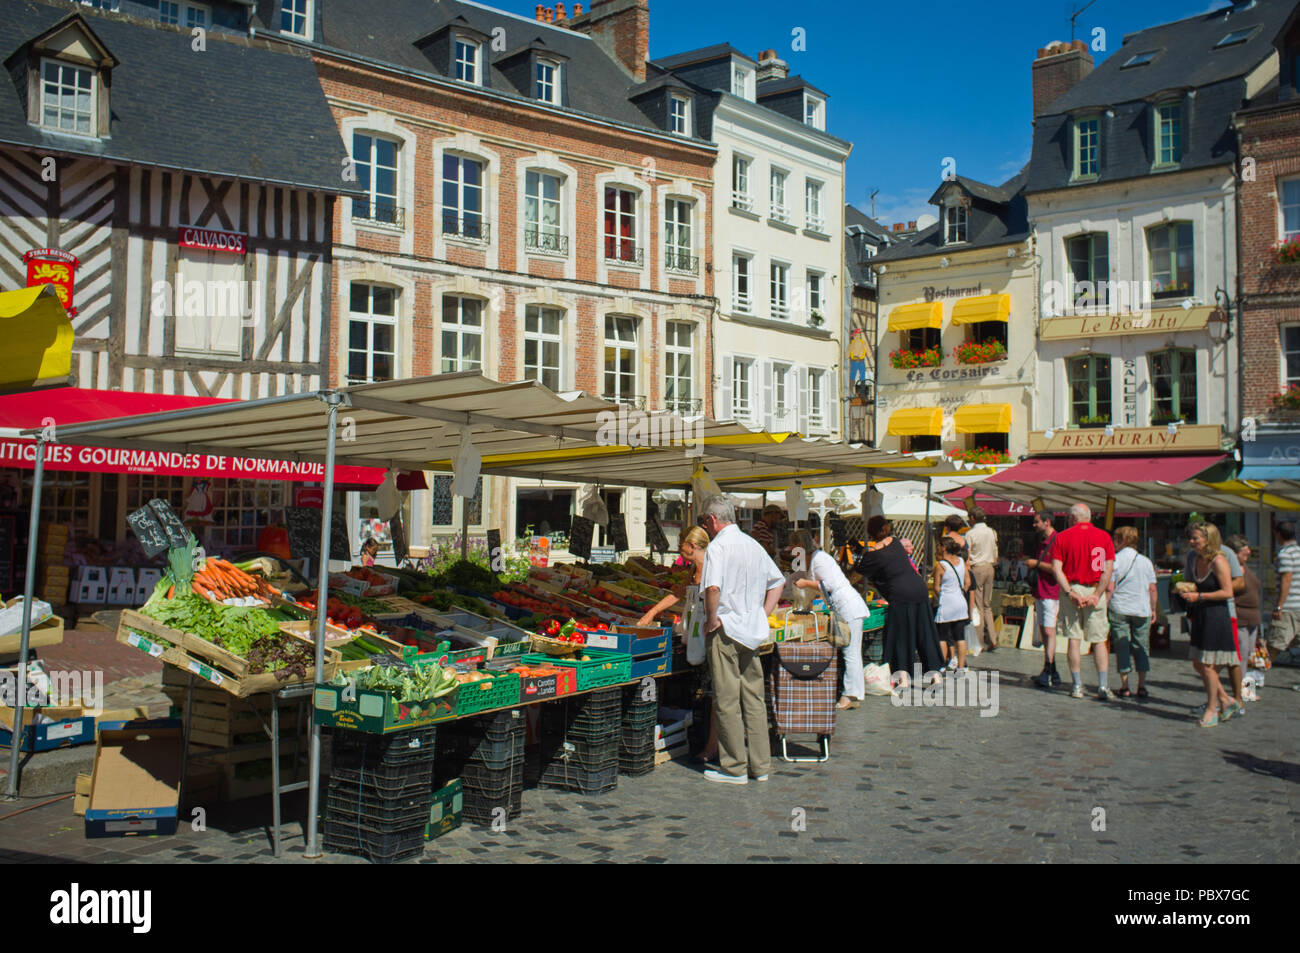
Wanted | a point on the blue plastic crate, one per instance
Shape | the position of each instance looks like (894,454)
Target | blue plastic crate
(66,733)
(631,640)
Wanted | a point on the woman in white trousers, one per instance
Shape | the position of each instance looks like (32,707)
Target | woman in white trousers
(845,601)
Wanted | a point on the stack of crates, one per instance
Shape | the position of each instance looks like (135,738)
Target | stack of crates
(380,790)
(636,750)
(55,578)
(487,755)
(580,740)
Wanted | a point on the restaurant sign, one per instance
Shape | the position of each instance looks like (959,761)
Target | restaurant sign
(1165,320)
(49,266)
(212,239)
(1185,439)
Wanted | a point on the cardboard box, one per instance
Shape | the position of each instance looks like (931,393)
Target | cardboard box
(378,712)
(81,795)
(70,727)
(135,787)
(446,810)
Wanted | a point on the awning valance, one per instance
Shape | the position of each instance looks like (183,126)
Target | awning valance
(37,336)
(908,317)
(983,308)
(982,418)
(916,422)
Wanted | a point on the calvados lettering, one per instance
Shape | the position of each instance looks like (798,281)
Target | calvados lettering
(213,240)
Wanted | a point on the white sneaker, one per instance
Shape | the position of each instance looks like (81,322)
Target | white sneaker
(961,673)
(1076,691)
(725,778)
(952,664)
(761,777)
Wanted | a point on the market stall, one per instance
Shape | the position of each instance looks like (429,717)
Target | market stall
(469,424)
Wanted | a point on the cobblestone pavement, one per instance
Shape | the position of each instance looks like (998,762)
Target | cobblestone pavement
(903,784)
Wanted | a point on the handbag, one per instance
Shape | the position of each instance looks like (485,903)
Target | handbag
(693,626)
(842,635)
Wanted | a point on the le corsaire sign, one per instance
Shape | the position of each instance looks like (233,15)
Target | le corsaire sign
(212,239)
(62,456)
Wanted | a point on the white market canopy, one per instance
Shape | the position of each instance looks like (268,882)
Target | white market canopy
(520,429)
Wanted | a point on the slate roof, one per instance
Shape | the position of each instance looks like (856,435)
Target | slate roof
(174,108)
(990,221)
(702,55)
(774,86)
(1185,58)
(855,262)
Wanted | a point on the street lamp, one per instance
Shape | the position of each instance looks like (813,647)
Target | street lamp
(1217,324)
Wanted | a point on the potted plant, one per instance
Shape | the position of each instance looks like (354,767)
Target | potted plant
(1288,400)
(984,456)
(816,320)
(980,352)
(1095,420)
(1159,417)
(906,359)
(1288,252)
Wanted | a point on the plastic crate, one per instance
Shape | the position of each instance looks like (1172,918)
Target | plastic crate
(603,668)
(385,780)
(482,807)
(875,618)
(418,744)
(496,727)
(570,777)
(873,646)
(482,750)
(586,756)
(502,689)
(378,848)
(346,804)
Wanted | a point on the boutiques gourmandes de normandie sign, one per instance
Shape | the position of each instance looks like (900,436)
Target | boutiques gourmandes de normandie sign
(1108,325)
(1186,438)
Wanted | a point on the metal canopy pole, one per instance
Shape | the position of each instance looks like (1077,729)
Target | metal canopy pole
(929,531)
(332,400)
(29,585)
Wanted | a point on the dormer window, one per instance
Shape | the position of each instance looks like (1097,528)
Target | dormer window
(109,5)
(295,17)
(954,224)
(1140,59)
(467,61)
(1169,134)
(814,111)
(742,82)
(67,98)
(547,82)
(679,115)
(183,13)
(1235,37)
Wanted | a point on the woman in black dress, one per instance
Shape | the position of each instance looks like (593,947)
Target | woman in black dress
(1211,638)
(909,626)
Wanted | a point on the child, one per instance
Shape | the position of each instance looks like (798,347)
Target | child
(954,609)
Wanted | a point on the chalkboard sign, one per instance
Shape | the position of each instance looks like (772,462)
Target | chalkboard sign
(617,531)
(494,550)
(602,554)
(580,531)
(654,533)
(149,530)
(7,528)
(303,524)
(177,533)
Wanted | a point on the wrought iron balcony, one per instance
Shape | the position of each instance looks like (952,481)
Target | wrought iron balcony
(623,252)
(686,406)
(381,212)
(634,401)
(674,261)
(471,229)
(551,242)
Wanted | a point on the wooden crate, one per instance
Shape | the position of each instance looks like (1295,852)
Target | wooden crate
(218,718)
(49,632)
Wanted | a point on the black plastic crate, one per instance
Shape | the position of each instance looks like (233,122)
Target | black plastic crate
(635,769)
(386,780)
(481,749)
(481,809)
(379,848)
(485,778)
(587,758)
(495,726)
(345,806)
(567,776)
(418,744)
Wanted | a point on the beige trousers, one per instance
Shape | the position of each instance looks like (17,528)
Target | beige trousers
(743,741)
(982,599)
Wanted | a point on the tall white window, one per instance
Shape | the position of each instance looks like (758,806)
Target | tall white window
(372,333)
(462,198)
(815,221)
(462,334)
(742,82)
(467,69)
(295,17)
(742,298)
(742,389)
(547,87)
(679,387)
(542,345)
(212,326)
(1290,355)
(1290,202)
(814,399)
(780,290)
(954,223)
(779,210)
(542,225)
(620,226)
(677,236)
(620,358)
(740,194)
(375,162)
(782,399)
(814,291)
(67,98)
(814,112)
(679,115)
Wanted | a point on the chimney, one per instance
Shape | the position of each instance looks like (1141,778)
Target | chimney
(622,28)
(577,9)
(911,226)
(1058,68)
(899,226)
(771,67)
(541,12)
(550,14)
(559,13)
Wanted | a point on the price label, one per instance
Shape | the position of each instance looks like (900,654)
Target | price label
(144,645)
(177,534)
(148,530)
(202,671)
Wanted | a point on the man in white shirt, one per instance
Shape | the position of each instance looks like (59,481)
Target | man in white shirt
(741,588)
(983,543)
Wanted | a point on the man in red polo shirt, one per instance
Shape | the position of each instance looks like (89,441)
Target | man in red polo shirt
(1083,558)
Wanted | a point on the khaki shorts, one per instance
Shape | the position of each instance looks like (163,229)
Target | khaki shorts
(1088,624)
(1283,631)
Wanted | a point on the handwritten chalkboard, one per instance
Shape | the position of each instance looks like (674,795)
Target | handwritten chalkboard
(177,533)
(580,531)
(7,529)
(617,531)
(602,554)
(303,524)
(654,533)
(149,530)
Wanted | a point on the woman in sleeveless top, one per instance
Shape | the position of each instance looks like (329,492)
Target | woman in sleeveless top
(1212,642)
(954,607)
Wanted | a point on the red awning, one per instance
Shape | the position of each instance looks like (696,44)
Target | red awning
(1102,469)
(72,405)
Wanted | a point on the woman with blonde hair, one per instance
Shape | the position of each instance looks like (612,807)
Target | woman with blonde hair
(1207,601)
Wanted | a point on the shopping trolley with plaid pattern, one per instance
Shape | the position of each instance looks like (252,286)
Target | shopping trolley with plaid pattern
(802,688)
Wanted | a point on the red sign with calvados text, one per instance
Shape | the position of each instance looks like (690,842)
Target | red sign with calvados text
(212,239)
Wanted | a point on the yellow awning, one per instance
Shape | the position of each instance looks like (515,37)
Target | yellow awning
(908,317)
(37,335)
(982,418)
(916,422)
(983,308)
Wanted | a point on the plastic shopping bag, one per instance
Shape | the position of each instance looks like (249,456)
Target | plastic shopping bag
(877,681)
(693,626)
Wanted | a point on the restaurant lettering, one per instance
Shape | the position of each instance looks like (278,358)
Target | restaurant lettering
(1205,437)
(954,373)
(1150,322)
(935,294)
(211,239)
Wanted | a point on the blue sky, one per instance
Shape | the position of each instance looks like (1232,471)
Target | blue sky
(911,82)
